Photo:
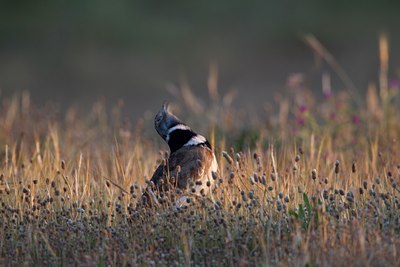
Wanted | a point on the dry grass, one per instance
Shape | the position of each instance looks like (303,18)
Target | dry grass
(309,183)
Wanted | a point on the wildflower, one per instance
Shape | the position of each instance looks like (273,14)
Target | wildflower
(355,119)
(394,84)
(300,120)
(303,108)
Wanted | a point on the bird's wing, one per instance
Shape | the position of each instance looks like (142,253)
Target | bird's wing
(193,161)
(187,164)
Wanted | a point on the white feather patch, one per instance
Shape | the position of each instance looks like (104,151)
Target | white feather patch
(178,127)
(196,140)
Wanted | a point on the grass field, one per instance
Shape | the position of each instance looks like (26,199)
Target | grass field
(310,182)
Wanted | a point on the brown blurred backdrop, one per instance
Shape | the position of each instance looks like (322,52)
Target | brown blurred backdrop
(73,52)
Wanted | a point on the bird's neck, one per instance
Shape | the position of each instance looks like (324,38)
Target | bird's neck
(178,138)
(181,135)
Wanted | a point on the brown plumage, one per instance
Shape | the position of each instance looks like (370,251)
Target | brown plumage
(182,170)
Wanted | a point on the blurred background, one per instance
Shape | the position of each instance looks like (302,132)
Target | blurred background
(73,52)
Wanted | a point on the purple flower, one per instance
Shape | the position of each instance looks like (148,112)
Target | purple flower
(327,94)
(394,84)
(300,120)
(303,108)
(355,119)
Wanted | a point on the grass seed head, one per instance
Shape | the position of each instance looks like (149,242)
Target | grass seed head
(314,174)
(337,168)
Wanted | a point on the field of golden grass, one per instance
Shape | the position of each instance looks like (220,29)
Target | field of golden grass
(309,182)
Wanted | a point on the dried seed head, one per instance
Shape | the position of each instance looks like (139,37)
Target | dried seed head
(251,194)
(202,192)
(325,194)
(336,191)
(337,163)
(297,158)
(377,180)
(256,179)
(227,157)
(350,196)
(353,167)
(365,185)
(278,205)
(263,180)
(314,174)
(237,157)
(251,180)
(63,164)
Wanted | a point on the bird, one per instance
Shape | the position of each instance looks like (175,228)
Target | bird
(191,167)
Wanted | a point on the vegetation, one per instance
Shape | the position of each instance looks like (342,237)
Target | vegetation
(308,182)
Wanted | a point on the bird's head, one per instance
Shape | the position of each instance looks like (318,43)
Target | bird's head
(164,121)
